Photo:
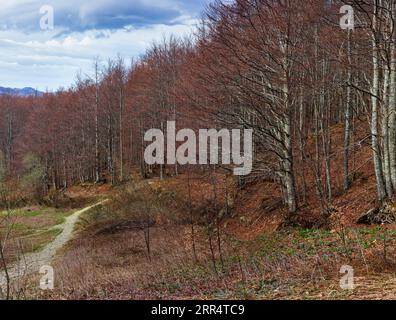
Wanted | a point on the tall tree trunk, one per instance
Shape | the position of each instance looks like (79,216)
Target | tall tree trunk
(97,166)
(288,155)
(385,135)
(392,110)
(347,131)
(302,148)
(374,113)
(121,134)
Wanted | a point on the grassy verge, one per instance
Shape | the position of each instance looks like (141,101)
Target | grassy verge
(30,229)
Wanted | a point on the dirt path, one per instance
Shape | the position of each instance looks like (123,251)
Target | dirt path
(32,262)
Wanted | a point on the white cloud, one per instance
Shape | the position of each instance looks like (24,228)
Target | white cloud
(51,59)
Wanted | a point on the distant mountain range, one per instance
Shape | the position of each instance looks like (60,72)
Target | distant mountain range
(24,92)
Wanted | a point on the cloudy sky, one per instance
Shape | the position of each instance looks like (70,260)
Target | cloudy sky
(83,30)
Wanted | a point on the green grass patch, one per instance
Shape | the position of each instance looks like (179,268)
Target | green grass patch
(40,240)
(34,227)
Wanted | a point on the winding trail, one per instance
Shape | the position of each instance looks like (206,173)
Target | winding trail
(32,262)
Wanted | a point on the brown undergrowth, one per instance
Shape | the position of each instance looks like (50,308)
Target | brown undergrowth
(110,258)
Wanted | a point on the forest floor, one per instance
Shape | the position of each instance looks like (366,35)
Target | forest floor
(109,257)
(159,240)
